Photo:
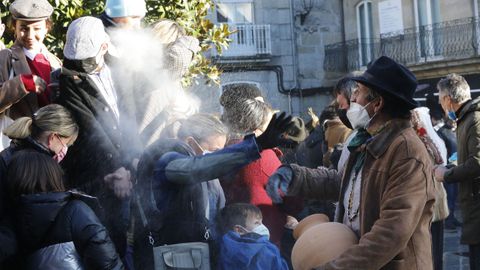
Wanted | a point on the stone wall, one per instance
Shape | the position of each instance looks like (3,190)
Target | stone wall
(321,25)
(300,54)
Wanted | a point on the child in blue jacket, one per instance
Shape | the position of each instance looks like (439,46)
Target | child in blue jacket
(245,243)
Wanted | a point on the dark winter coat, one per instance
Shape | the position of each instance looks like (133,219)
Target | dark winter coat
(48,219)
(448,136)
(467,173)
(6,156)
(100,149)
(8,241)
(310,151)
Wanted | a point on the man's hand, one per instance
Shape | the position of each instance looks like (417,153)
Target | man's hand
(120,182)
(273,135)
(40,84)
(278,184)
(291,223)
(314,117)
(439,172)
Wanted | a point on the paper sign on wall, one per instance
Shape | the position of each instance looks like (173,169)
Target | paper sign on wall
(390,15)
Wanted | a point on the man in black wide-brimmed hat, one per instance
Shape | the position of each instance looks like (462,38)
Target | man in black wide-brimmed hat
(386,191)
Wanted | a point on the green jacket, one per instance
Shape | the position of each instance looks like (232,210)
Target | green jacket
(467,173)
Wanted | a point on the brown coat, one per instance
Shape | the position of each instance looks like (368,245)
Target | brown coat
(15,100)
(397,195)
(467,173)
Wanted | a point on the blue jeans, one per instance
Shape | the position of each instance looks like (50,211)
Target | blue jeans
(452,192)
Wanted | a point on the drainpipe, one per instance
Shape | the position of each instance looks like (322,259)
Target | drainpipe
(476,27)
(475,8)
(294,57)
(344,38)
(277,69)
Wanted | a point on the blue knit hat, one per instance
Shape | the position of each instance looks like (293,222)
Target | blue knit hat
(125,8)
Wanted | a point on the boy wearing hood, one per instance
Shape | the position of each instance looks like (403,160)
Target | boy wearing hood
(245,243)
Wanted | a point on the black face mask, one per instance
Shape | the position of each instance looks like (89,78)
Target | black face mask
(342,114)
(88,65)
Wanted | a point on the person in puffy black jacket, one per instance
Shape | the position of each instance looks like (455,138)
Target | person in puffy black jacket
(56,229)
(49,131)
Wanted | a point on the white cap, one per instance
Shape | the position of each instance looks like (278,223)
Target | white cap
(125,8)
(85,37)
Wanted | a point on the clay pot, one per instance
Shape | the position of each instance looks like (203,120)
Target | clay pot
(307,223)
(320,244)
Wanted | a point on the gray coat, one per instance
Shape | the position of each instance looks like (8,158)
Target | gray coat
(467,173)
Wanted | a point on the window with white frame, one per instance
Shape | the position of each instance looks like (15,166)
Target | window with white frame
(365,31)
(235,11)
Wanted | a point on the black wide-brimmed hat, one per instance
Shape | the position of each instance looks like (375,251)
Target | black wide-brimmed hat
(386,76)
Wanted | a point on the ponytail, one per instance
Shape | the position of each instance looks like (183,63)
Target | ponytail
(51,118)
(19,129)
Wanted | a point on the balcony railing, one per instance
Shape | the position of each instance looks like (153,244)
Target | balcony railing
(458,39)
(249,40)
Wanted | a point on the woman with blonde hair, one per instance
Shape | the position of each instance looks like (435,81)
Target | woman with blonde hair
(49,131)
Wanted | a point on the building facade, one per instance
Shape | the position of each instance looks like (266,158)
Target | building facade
(296,50)
(431,37)
(278,46)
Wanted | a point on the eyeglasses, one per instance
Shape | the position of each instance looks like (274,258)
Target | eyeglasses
(58,137)
(198,144)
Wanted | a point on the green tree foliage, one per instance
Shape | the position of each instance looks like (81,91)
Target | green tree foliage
(191,14)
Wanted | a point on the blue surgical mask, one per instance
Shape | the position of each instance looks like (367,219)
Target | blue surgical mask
(452,115)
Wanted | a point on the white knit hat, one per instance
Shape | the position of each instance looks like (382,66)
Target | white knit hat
(85,37)
(125,8)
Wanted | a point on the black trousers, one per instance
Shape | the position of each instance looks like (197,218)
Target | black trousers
(437,244)
(474,256)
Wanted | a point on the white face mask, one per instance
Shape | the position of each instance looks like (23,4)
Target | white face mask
(358,115)
(204,152)
(262,230)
